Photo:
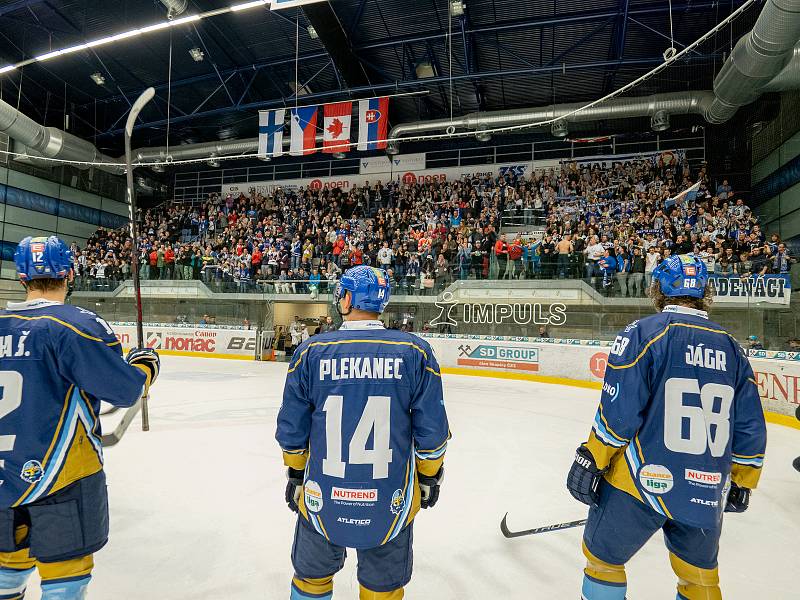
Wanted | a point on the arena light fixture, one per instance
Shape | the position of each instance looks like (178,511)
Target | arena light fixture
(197,54)
(134,32)
(247,5)
(457,8)
(660,121)
(313,33)
(98,78)
(559,129)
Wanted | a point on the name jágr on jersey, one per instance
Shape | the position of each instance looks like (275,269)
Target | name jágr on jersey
(698,356)
(360,367)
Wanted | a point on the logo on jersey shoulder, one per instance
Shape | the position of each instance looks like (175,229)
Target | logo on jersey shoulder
(32,471)
(713,503)
(398,502)
(313,496)
(656,479)
(632,326)
(703,478)
(611,390)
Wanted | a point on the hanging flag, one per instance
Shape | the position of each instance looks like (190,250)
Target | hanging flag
(373,123)
(304,131)
(270,132)
(338,118)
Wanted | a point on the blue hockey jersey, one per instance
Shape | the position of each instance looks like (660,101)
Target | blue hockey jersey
(679,416)
(363,413)
(57,363)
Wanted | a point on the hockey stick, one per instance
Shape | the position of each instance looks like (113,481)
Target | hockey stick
(141,404)
(513,534)
(796,461)
(137,107)
(113,438)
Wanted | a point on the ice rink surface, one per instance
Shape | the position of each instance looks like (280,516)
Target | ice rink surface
(197,508)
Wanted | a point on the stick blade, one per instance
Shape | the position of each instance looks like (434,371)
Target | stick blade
(504,528)
(137,107)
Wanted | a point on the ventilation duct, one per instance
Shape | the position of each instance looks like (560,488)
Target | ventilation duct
(175,7)
(40,141)
(757,58)
(620,108)
(204,150)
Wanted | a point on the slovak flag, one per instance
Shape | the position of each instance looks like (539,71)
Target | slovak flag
(270,132)
(338,118)
(373,123)
(304,131)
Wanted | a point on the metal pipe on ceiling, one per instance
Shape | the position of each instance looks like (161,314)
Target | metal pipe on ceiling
(757,58)
(175,7)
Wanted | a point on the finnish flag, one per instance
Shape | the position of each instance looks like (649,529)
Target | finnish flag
(270,132)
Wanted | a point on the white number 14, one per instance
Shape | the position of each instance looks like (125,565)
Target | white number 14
(375,418)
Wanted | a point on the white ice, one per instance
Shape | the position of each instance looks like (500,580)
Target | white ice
(197,509)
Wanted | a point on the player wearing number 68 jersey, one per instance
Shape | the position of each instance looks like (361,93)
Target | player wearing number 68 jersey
(363,430)
(679,437)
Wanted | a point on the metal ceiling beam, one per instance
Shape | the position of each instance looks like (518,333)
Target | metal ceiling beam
(331,33)
(400,41)
(584,17)
(427,83)
(10,7)
(617,49)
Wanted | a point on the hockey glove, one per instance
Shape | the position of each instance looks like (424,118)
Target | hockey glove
(429,488)
(584,477)
(738,499)
(293,488)
(147,360)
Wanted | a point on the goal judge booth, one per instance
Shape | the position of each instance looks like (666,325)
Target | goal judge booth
(678,439)
(57,363)
(363,430)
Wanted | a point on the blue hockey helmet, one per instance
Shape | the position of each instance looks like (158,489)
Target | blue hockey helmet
(682,275)
(369,288)
(43,258)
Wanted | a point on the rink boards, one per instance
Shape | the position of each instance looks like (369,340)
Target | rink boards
(583,363)
(579,363)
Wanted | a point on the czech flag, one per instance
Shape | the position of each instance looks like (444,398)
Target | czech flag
(304,131)
(373,124)
(270,132)
(336,135)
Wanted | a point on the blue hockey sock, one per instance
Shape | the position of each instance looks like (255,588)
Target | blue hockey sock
(298,595)
(594,589)
(73,588)
(13,583)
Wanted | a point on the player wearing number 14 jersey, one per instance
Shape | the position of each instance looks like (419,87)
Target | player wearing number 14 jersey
(363,430)
(678,439)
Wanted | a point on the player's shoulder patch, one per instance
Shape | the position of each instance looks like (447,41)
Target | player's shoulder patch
(85,323)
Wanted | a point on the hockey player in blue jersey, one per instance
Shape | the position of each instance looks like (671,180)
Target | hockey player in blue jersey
(57,363)
(363,430)
(679,437)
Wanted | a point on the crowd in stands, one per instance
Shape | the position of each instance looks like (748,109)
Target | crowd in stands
(611,225)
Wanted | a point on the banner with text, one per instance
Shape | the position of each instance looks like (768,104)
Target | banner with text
(186,341)
(407,175)
(772,289)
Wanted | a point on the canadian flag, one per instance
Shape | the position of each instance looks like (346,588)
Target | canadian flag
(338,118)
